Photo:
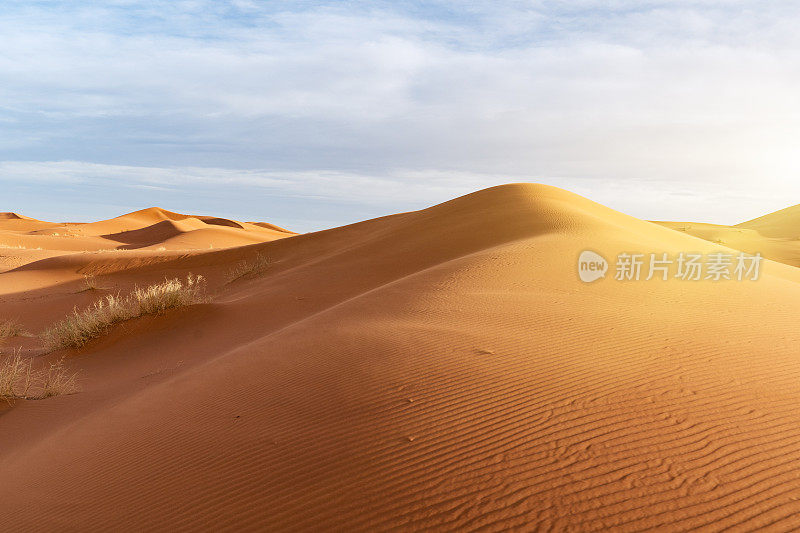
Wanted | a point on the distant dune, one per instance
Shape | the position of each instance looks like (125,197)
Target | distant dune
(12,216)
(443,369)
(776,235)
(784,223)
(148,228)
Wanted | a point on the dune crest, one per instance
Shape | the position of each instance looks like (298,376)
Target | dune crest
(12,216)
(267,225)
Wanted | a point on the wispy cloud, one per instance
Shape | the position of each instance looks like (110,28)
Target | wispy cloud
(390,105)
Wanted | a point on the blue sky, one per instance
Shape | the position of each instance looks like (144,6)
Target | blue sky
(315,114)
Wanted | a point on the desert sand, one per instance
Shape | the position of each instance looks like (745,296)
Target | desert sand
(775,236)
(443,369)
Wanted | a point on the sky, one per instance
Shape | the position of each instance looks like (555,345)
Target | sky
(313,114)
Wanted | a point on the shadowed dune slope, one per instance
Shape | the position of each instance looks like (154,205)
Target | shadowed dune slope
(444,368)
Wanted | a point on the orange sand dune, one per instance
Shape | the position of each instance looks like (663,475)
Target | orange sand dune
(13,216)
(152,227)
(443,369)
(186,233)
(270,226)
(131,221)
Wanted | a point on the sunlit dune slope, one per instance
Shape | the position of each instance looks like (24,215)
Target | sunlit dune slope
(776,236)
(439,369)
(781,224)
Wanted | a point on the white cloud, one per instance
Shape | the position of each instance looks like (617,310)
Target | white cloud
(392,104)
(259,194)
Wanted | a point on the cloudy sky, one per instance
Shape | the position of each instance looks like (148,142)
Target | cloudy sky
(314,114)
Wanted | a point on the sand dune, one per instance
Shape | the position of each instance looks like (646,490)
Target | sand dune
(440,369)
(12,216)
(188,233)
(776,236)
(270,226)
(784,223)
(148,228)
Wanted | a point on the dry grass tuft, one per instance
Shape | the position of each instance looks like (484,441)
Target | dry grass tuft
(11,328)
(15,377)
(245,268)
(55,380)
(81,326)
(20,380)
(89,283)
(167,295)
(19,247)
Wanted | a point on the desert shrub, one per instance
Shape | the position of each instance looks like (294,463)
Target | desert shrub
(19,379)
(246,268)
(89,283)
(79,327)
(55,380)
(11,328)
(171,293)
(15,376)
